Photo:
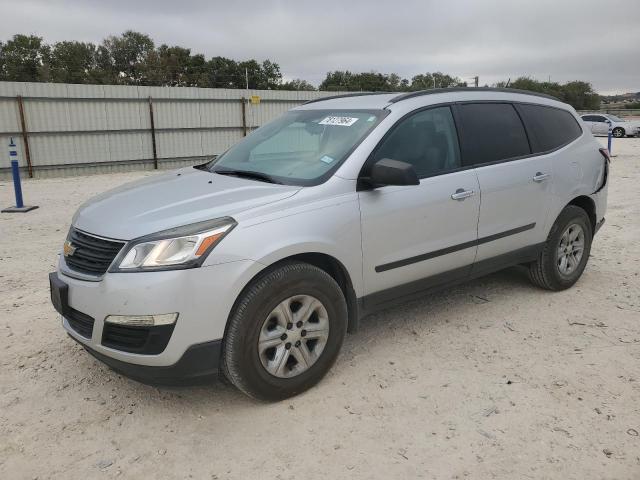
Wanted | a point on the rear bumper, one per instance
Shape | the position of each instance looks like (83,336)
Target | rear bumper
(199,363)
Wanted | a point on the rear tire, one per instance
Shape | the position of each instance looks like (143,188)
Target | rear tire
(274,310)
(559,265)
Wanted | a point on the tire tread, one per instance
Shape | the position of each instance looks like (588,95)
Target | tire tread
(540,272)
(230,361)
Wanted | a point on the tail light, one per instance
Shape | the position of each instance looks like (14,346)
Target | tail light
(607,160)
(605,153)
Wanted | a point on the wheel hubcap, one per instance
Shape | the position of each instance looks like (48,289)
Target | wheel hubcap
(617,133)
(570,249)
(293,336)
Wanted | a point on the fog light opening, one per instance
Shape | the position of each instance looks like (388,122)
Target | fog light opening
(143,320)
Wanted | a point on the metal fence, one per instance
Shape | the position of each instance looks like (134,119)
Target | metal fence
(69,129)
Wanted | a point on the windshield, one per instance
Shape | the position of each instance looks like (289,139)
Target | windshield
(615,119)
(303,147)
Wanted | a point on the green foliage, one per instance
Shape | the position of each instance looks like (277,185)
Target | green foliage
(579,95)
(133,59)
(380,82)
(297,84)
(24,59)
(435,80)
(72,62)
(129,59)
(632,106)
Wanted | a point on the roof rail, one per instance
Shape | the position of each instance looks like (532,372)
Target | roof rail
(345,95)
(405,96)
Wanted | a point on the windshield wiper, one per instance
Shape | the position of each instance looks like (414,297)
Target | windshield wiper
(263,177)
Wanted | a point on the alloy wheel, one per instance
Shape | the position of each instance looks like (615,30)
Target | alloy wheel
(293,336)
(570,249)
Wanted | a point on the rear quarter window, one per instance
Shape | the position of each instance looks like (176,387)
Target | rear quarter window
(549,128)
(491,132)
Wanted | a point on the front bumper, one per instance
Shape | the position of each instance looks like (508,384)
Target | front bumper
(203,298)
(199,362)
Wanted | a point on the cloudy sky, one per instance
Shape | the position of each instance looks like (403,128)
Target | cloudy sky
(597,41)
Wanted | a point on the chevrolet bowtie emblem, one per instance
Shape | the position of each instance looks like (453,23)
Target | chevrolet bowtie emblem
(68,249)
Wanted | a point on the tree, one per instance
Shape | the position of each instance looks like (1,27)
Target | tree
(72,62)
(126,58)
(24,59)
(168,66)
(297,84)
(427,81)
(270,76)
(337,80)
(197,71)
(365,82)
(223,73)
(579,95)
(379,82)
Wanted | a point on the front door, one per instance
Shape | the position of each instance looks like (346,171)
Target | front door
(410,233)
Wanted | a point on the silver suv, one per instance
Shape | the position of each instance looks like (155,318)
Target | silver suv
(259,262)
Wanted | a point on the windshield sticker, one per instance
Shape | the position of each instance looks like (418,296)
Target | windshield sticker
(339,121)
(327,158)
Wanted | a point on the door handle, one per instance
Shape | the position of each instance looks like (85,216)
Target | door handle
(540,177)
(461,194)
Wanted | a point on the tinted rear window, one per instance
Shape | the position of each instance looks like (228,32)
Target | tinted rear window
(548,127)
(491,132)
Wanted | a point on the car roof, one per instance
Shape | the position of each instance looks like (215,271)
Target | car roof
(380,100)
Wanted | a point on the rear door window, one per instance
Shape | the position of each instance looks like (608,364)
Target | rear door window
(549,128)
(491,132)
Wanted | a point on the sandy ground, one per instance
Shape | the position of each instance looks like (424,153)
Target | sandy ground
(492,379)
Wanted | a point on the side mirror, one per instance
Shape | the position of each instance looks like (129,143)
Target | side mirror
(392,172)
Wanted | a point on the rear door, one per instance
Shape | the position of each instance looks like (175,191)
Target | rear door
(515,185)
(413,232)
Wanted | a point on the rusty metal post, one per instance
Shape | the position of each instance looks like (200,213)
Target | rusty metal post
(25,136)
(244,116)
(153,134)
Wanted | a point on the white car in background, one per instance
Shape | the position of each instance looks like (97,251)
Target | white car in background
(599,124)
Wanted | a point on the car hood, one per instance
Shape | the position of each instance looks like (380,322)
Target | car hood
(173,199)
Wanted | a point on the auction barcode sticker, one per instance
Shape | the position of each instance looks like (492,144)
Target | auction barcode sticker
(340,121)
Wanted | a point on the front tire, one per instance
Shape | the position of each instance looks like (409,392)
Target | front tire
(566,251)
(285,332)
(618,132)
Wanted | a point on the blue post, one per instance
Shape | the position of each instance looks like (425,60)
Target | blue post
(17,187)
(15,169)
(609,136)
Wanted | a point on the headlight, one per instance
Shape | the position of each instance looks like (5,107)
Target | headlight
(177,248)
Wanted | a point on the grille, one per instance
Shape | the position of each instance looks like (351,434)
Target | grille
(93,255)
(143,340)
(80,322)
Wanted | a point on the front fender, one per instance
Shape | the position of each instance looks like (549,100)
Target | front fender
(332,229)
